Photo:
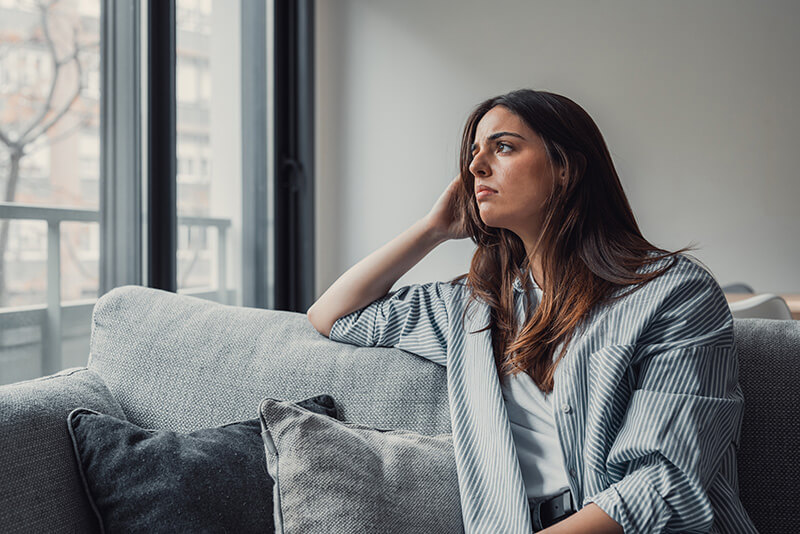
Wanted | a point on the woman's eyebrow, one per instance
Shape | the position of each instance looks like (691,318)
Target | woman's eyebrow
(495,136)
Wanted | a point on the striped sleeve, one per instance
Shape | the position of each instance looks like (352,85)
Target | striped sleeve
(413,318)
(683,415)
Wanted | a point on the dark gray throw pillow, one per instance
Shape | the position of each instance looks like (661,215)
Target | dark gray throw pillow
(209,480)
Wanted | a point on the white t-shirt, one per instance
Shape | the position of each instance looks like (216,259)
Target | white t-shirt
(530,413)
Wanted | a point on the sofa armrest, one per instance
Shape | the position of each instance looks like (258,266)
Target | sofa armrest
(40,487)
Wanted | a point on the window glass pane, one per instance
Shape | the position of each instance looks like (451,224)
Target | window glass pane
(49,169)
(209,148)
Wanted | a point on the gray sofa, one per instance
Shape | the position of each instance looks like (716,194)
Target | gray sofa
(176,362)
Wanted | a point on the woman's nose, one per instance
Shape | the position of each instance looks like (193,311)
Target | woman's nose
(478,167)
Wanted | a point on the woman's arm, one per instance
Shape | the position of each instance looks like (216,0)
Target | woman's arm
(683,415)
(591,519)
(374,276)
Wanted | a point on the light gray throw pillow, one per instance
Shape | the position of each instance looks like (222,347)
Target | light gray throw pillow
(332,476)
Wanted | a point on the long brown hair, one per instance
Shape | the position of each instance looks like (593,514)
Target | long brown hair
(590,244)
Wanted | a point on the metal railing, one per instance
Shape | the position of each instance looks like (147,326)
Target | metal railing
(49,315)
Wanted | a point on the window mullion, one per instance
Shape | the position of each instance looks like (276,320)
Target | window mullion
(120,154)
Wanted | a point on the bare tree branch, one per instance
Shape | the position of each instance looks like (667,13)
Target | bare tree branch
(76,48)
(66,107)
(33,149)
(36,129)
(56,70)
(6,141)
(32,133)
(57,65)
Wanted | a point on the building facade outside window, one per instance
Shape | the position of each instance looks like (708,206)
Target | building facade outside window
(51,52)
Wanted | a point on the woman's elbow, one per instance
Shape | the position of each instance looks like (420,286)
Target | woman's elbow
(322,326)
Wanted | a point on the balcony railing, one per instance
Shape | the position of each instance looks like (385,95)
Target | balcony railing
(50,315)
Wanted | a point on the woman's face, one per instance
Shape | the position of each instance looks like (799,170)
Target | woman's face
(510,158)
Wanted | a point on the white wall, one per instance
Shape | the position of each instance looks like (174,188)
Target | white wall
(696,101)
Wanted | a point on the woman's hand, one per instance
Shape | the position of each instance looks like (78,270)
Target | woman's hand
(445,219)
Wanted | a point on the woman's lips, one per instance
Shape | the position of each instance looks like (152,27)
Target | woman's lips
(483,193)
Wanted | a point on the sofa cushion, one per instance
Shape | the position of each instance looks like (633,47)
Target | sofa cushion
(769,371)
(209,480)
(181,363)
(332,476)
(40,487)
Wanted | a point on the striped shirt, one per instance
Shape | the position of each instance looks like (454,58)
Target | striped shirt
(648,407)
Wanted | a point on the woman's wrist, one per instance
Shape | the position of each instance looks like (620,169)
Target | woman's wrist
(434,235)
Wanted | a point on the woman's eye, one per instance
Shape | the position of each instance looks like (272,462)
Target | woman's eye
(505,145)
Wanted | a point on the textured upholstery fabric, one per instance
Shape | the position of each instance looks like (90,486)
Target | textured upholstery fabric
(769,373)
(40,487)
(209,480)
(181,363)
(341,477)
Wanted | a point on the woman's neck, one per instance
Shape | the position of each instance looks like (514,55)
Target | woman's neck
(535,270)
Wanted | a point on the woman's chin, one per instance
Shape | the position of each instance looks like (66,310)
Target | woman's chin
(490,221)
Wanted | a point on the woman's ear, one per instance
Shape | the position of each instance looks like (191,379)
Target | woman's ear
(562,176)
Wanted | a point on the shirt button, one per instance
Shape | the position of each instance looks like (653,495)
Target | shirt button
(565,408)
(572,472)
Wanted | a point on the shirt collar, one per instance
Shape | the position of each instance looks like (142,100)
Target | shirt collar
(518,283)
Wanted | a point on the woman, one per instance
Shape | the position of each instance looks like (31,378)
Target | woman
(592,377)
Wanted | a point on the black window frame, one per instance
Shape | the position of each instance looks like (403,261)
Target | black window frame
(289,284)
(162,162)
(293,139)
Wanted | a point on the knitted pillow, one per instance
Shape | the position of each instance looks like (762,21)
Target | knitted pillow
(332,476)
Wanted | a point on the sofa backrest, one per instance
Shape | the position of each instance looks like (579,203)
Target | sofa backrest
(182,363)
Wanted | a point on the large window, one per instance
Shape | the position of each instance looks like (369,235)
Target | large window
(82,84)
